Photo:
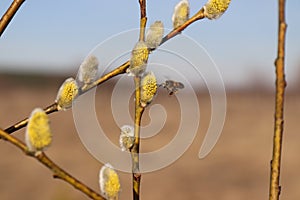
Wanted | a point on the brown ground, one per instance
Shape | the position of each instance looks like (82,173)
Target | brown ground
(237,168)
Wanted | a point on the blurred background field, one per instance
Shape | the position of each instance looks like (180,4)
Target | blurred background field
(237,168)
(40,49)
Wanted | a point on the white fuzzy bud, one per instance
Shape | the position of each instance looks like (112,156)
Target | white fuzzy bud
(181,13)
(88,70)
(154,35)
(126,138)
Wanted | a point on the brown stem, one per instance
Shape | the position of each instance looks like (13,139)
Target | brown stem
(57,171)
(9,14)
(143,20)
(50,109)
(199,15)
(136,176)
(120,70)
(279,104)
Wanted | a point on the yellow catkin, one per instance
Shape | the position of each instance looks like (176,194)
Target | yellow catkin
(154,35)
(148,88)
(214,9)
(181,13)
(38,134)
(67,92)
(109,182)
(139,59)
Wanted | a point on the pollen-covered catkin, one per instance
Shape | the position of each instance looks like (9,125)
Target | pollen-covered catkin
(67,92)
(38,135)
(148,88)
(109,182)
(139,59)
(214,9)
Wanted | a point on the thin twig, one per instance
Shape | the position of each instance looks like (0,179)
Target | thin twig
(143,20)
(279,104)
(53,108)
(120,70)
(57,171)
(50,109)
(9,14)
(198,16)
(136,175)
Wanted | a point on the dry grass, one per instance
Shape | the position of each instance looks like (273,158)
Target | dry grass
(238,167)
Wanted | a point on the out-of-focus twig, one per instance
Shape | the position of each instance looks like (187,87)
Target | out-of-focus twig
(57,171)
(279,104)
(9,14)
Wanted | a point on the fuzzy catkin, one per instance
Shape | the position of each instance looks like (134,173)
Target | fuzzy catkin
(67,92)
(181,13)
(214,9)
(38,135)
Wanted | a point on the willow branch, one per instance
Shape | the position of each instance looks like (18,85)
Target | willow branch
(57,171)
(9,14)
(120,70)
(136,176)
(279,104)
(53,108)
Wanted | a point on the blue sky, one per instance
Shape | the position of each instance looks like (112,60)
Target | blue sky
(55,36)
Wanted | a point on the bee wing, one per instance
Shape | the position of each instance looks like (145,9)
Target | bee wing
(180,85)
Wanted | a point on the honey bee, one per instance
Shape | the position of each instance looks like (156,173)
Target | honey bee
(172,86)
